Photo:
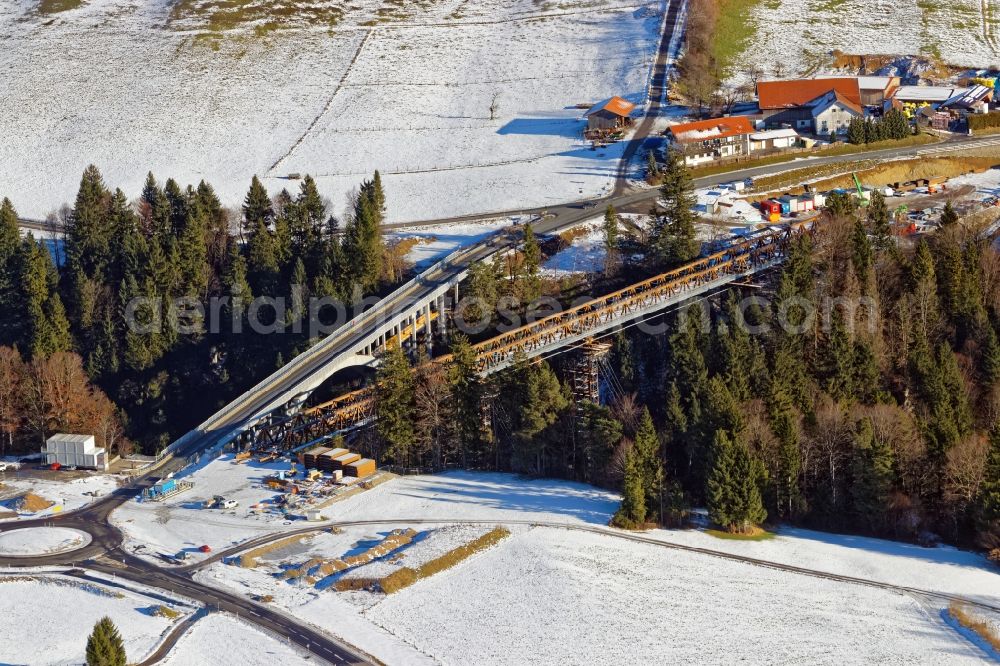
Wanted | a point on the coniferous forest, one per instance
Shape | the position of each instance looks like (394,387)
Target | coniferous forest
(859,390)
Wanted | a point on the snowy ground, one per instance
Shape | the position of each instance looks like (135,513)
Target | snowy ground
(410,96)
(794,37)
(68,495)
(436,241)
(547,595)
(584,255)
(220,640)
(181,523)
(943,569)
(46,619)
(41,541)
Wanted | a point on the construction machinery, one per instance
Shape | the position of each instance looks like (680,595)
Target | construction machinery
(862,197)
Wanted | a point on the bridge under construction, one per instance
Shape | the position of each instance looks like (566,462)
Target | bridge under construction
(574,328)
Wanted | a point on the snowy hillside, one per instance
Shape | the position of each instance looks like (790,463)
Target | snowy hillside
(795,37)
(185,94)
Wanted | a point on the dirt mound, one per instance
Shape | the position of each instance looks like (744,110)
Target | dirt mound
(31,503)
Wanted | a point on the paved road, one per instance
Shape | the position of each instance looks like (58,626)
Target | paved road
(657,93)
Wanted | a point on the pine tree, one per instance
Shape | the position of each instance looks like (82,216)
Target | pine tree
(836,359)
(532,288)
(673,236)
(632,512)
(856,131)
(989,491)
(873,477)
(105,646)
(88,242)
(235,284)
(363,236)
(466,401)
(257,208)
(10,241)
(948,215)
(394,399)
(733,486)
(647,449)
(652,168)
(155,209)
(611,257)
(989,356)
(540,401)
(880,221)
(262,261)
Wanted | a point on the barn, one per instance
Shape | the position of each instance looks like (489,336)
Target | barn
(610,114)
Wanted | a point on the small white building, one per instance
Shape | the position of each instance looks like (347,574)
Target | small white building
(775,139)
(75,451)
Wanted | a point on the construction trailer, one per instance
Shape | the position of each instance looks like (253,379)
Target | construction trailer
(165,489)
(75,451)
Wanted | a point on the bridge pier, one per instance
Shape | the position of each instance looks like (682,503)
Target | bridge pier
(584,371)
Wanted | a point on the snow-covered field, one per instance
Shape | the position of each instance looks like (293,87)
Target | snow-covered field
(548,595)
(46,619)
(795,37)
(68,495)
(41,541)
(221,640)
(410,96)
(436,241)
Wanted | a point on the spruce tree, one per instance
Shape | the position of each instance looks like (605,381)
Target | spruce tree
(105,646)
(155,209)
(647,452)
(948,215)
(652,168)
(881,222)
(632,512)
(673,236)
(466,401)
(733,486)
(10,241)
(257,208)
(394,399)
(610,229)
(989,491)
(873,477)
(856,131)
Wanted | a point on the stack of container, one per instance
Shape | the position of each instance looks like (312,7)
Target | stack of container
(328,461)
(311,457)
(360,468)
(341,462)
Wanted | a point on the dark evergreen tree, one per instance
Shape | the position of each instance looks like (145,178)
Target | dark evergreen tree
(611,232)
(948,215)
(673,238)
(733,486)
(881,223)
(872,477)
(105,646)
(394,399)
(632,512)
(257,208)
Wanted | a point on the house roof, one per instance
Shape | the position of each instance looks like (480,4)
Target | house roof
(713,128)
(796,92)
(967,98)
(828,99)
(615,105)
(882,83)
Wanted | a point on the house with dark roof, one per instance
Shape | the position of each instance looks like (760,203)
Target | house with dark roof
(609,114)
(709,140)
(832,112)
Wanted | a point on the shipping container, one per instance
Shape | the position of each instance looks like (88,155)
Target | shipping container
(361,468)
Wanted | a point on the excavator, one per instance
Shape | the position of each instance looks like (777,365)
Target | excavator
(862,198)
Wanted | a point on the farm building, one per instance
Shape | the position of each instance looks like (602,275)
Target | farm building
(926,94)
(971,100)
(75,451)
(787,103)
(713,139)
(833,112)
(610,114)
(777,139)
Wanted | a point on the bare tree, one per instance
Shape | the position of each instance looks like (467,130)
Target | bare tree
(11,400)
(494,106)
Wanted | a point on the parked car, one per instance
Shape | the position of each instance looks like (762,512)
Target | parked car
(229,504)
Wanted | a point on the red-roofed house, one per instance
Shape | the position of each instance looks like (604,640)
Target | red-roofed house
(709,140)
(789,103)
(609,114)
